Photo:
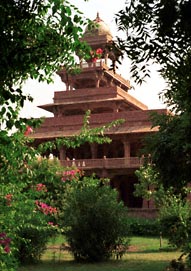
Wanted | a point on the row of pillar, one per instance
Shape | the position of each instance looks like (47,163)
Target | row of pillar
(94,150)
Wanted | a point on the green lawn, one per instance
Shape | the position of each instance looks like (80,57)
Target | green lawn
(144,254)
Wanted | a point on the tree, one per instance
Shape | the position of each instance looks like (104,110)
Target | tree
(158,31)
(36,38)
(171,152)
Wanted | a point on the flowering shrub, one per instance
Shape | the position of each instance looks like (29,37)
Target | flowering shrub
(24,221)
(73,174)
(45,208)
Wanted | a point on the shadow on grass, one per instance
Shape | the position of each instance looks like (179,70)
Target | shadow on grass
(131,261)
(145,251)
(111,265)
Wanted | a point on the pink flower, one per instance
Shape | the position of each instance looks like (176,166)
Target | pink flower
(8,197)
(70,175)
(2,235)
(45,208)
(28,130)
(41,187)
(94,59)
(96,54)
(99,51)
(52,224)
(7,249)
(5,242)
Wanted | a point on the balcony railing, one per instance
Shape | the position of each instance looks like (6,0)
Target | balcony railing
(107,163)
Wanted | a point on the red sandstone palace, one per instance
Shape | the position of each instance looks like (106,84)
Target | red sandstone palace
(105,93)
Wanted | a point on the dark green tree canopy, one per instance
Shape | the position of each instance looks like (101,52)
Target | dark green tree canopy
(171,151)
(159,31)
(36,37)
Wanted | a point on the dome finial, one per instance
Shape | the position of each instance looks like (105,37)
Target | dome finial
(98,19)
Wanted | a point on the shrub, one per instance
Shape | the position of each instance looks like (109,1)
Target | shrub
(25,216)
(28,228)
(175,221)
(175,218)
(32,241)
(144,227)
(94,221)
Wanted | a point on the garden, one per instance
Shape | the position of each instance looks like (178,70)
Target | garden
(55,218)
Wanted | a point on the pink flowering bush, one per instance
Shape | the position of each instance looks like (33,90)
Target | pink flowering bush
(45,208)
(27,225)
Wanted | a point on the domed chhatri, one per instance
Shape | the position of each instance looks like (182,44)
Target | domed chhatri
(98,27)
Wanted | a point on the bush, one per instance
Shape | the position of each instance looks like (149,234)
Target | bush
(144,227)
(26,217)
(32,243)
(175,219)
(94,221)
(28,228)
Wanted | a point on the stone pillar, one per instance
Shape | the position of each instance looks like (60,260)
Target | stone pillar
(104,173)
(106,58)
(127,148)
(104,151)
(62,152)
(93,151)
(97,83)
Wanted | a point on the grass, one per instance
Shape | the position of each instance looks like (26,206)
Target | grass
(145,254)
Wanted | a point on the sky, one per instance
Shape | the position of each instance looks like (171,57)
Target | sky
(147,93)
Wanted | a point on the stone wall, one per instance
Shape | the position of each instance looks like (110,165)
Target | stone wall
(143,212)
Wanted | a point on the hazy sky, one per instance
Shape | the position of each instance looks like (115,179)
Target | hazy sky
(43,93)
